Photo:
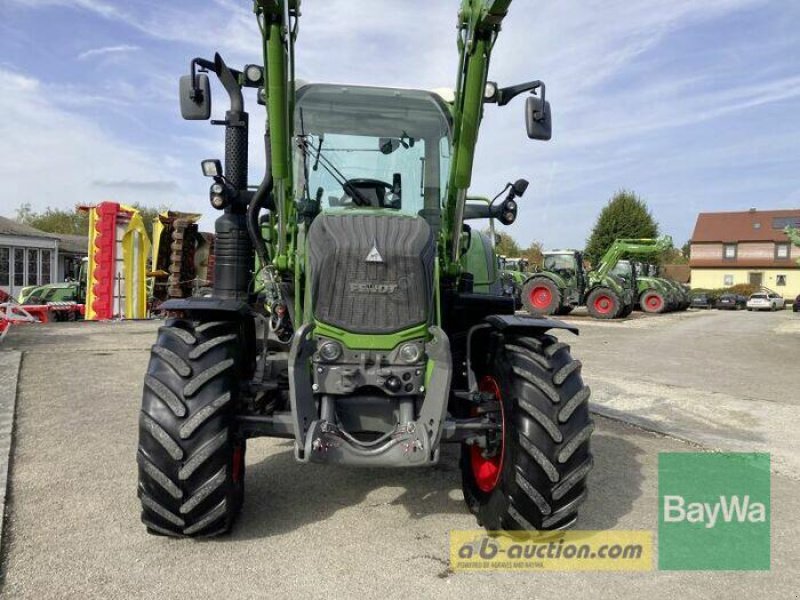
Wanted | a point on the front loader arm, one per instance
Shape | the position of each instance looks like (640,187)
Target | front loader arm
(277,20)
(631,247)
(479,24)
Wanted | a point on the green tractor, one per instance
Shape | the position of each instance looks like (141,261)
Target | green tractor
(67,291)
(563,283)
(513,273)
(653,294)
(680,292)
(343,316)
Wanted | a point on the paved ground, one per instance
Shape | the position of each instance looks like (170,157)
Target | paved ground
(726,380)
(308,531)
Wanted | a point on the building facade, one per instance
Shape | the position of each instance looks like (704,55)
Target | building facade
(32,257)
(729,248)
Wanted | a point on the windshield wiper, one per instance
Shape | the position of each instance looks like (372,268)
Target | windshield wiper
(337,175)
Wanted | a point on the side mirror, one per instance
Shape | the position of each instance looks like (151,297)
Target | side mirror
(520,185)
(388,145)
(537,118)
(195,101)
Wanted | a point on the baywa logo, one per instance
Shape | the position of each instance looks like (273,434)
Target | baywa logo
(729,509)
(714,511)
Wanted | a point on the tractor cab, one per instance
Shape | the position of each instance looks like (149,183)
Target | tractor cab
(568,265)
(368,148)
(626,271)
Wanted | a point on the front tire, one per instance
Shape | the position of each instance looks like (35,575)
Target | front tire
(541,296)
(536,479)
(603,303)
(191,462)
(652,302)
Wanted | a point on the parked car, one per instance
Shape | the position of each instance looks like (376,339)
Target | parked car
(765,301)
(796,305)
(732,302)
(702,301)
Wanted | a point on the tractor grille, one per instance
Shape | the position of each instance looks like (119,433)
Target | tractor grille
(371,273)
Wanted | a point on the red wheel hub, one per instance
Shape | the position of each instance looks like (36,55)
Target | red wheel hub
(603,304)
(654,302)
(486,470)
(238,462)
(541,297)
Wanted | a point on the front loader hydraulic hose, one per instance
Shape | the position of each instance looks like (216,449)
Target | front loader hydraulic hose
(261,199)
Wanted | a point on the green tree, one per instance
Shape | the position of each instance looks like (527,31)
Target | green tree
(686,250)
(75,222)
(534,254)
(625,216)
(794,235)
(55,220)
(507,245)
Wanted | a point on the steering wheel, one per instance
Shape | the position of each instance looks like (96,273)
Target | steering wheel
(378,186)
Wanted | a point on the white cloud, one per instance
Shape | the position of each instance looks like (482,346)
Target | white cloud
(106,50)
(59,158)
(99,7)
(616,108)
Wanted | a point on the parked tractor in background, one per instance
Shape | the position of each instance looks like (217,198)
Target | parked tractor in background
(65,298)
(653,294)
(359,335)
(564,283)
(681,292)
(513,273)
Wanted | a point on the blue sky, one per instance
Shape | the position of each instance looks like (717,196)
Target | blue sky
(694,105)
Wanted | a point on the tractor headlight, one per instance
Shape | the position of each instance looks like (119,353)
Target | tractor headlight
(330,351)
(254,73)
(490,91)
(409,353)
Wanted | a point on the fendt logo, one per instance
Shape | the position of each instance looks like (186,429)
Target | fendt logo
(729,509)
(373,288)
(714,511)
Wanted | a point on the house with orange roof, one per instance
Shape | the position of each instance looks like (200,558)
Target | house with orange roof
(751,246)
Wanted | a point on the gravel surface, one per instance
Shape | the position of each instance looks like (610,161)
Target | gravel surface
(309,531)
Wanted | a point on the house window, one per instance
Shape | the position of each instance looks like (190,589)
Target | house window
(33,267)
(5,266)
(729,252)
(780,279)
(19,266)
(46,267)
(782,250)
(728,280)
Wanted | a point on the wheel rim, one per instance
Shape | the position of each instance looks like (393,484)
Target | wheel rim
(541,297)
(486,470)
(603,304)
(654,302)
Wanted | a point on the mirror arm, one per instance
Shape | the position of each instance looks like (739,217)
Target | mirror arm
(204,65)
(474,210)
(227,76)
(230,82)
(505,95)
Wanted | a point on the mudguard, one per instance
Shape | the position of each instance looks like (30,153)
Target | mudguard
(510,324)
(204,303)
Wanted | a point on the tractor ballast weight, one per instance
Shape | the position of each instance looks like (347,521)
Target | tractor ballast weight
(353,310)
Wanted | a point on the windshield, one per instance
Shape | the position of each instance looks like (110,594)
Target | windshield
(559,262)
(362,147)
(758,297)
(622,269)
